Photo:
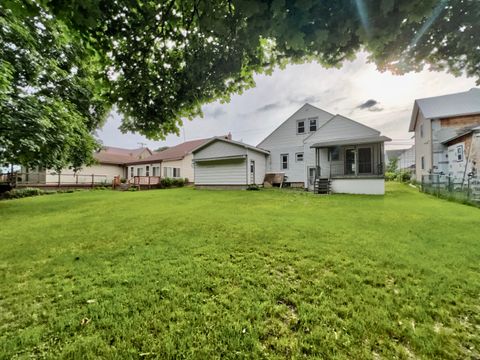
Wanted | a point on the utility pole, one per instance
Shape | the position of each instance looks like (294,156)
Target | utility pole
(142,144)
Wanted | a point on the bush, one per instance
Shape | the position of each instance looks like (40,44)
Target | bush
(253,187)
(178,182)
(404,176)
(390,176)
(21,193)
(166,183)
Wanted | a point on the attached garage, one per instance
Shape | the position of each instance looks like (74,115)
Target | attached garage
(226,164)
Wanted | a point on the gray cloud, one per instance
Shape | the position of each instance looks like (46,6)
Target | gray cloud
(216,112)
(370,105)
(270,106)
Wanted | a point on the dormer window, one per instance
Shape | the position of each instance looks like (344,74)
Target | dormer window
(313,124)
(301,127)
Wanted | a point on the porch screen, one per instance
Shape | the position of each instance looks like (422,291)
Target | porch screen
(364,160)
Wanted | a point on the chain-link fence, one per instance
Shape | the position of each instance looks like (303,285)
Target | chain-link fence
(462,190)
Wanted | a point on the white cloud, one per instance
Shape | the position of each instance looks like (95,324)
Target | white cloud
(254,114)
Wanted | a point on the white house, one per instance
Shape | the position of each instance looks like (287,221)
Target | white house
(437,120)
(227,164)
(316,149)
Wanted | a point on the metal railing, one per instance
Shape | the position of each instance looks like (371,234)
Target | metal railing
(463,190)
(356,170)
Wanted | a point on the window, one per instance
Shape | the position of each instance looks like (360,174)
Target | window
(284,161)
(334,154)
(313,124)
(156,170)
(460,153)
(423,163)
(171,172)
(147,170)
(299,157)
(132,173)
(421,131)
(300,126)
(139,171)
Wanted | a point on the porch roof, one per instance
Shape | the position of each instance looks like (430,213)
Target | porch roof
(351,141)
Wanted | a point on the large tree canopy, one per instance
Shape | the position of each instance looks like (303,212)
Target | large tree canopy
(164,59)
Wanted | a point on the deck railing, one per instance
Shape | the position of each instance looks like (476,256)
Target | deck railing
(145,180)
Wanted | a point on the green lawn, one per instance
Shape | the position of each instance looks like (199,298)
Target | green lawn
(239,274)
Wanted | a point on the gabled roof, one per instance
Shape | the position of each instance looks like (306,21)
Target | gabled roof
(176,152)
(118,156)
(304,106)
(438,107)
(237,143)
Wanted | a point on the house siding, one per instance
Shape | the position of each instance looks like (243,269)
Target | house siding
(217,170)
(423,146)
(221,172)
(260,167)
(286,140)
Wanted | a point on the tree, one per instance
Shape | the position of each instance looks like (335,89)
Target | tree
(165,59)
(392,166)
(51,95)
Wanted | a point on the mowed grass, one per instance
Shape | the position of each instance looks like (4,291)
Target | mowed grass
(239,274)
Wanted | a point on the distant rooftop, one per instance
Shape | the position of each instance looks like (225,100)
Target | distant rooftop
(437,107)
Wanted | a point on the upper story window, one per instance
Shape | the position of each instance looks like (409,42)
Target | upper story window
(284,161)
(313,124)
(421,131)
(299,157)
(301,127)
(460,153)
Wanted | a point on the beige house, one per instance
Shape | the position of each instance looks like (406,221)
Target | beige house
(440,122)
(174,162)
(111,163)
(141,166)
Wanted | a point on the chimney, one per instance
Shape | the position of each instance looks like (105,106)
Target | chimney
(229,136)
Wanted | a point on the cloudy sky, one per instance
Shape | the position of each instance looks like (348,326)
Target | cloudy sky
(357,90)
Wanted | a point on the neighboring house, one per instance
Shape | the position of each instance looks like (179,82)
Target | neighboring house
(145,166)
(224,163)
(405,158)
(463,151)
(174,162)
(436,122)
(110,164)
(313,145)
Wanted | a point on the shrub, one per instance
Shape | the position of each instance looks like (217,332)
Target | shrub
(404,176)
(166,183)
(390,176)
(123,181)
(253,187)
(178,182)
(21,193)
